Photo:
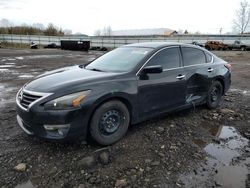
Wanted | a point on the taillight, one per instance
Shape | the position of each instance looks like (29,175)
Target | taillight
(228,66)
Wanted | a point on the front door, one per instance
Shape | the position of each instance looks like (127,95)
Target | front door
(161,92)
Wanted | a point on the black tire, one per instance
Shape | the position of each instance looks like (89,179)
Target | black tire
(214,95)
(243,48)
(110,122)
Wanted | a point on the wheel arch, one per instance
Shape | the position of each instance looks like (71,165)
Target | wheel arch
(243,47)
(120,97)
(221,80)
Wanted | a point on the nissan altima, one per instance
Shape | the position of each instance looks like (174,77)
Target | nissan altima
(125,86)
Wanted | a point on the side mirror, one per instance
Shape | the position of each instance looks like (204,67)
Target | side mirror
(154,69)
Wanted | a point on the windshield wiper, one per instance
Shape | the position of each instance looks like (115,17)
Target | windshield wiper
(82,66)
(94,69)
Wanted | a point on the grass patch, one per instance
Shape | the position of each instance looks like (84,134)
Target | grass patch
(5,44)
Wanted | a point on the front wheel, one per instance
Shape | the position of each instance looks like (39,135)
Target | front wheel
(110,122)
(214,95)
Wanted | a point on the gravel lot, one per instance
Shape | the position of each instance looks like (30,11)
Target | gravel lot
(192,148)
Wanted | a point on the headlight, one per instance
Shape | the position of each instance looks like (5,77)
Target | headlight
(67,102)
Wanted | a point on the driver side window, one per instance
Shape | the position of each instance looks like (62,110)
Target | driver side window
(168,58)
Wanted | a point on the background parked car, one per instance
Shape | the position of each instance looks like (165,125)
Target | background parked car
(33,45)
(238,45)
(52,45)
(98,48)
(75,45)
(215,45)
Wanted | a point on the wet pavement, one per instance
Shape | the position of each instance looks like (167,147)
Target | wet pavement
(224,161)
(27,184)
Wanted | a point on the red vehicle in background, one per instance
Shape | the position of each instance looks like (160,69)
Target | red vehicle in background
(215,45)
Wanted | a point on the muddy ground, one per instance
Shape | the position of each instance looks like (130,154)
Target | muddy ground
(192,148)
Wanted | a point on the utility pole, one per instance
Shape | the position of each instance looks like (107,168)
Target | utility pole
(220,30)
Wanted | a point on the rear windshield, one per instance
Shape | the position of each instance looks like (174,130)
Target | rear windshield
(119,60)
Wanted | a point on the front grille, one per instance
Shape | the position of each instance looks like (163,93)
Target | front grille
(25,99)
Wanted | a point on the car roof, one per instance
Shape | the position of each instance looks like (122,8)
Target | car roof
(157,45)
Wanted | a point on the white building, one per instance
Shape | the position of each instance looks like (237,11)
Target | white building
(136,32)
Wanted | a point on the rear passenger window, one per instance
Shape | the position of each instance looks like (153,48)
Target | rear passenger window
(168,58)
(193,56)
(209,57)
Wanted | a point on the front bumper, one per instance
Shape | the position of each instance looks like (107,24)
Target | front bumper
(32,123)
(26,128)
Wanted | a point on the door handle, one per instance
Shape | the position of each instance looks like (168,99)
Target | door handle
(180,76)
(210,70)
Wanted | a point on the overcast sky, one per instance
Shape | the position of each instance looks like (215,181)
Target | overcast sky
(206,16)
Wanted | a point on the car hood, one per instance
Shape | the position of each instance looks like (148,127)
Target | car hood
(67,77)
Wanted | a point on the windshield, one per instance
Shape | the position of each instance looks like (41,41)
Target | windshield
(119,60)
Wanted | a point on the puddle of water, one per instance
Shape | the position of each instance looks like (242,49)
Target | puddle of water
(27,184)
(218,166)
(4,70)
(224,155)
(6,66)
(10,72)
(6,95)
(231,143)
(11,59)
(42,56)
(26,76)
(10,63)
(21,66)
(19,58)
(232,176)
(244,92)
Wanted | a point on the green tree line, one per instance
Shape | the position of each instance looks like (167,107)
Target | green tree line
(51,30)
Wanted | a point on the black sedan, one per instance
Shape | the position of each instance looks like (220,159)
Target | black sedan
(123,87)
(52,45)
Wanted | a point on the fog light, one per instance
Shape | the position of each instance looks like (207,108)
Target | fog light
(56,127)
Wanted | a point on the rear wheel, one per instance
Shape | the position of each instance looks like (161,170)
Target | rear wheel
(110,122)
(214,95)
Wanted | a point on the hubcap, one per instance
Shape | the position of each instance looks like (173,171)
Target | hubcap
(214,94)
(110,121)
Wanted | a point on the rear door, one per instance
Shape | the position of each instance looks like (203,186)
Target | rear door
(199,73)
(162,91)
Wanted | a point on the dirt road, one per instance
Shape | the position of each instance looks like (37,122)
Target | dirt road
(192,148)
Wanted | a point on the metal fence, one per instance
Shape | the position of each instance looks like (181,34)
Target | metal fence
(116,41)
